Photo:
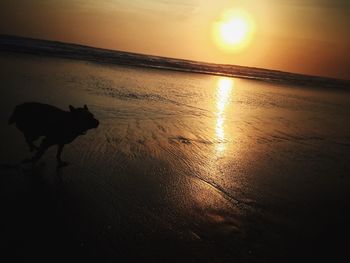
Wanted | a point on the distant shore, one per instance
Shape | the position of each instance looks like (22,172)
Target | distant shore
(80,52)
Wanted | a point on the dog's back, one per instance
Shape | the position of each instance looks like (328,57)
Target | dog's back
(37,118)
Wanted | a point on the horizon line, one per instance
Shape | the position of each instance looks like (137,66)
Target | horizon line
(172,58)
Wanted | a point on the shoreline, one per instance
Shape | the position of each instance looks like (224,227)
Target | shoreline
(57,49)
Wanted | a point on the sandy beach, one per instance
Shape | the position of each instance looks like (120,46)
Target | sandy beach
(184,167)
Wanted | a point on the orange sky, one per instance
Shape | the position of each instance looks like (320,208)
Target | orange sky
(311,37)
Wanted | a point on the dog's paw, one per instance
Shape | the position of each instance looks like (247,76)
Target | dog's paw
(28,160)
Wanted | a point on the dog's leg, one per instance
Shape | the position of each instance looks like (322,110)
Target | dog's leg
(45,144)
(29,140)
(60,163)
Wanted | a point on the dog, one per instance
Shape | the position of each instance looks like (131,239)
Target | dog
(58,127)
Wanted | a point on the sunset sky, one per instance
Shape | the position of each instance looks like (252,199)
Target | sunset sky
(304,36)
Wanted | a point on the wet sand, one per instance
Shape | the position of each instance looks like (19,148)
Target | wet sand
(183,168)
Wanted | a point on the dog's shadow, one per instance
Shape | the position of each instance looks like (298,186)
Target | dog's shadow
(10,166)
(30,169)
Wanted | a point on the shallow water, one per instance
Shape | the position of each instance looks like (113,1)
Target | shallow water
(223,168)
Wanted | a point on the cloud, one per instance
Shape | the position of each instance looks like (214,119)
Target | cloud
(318,3)
(179,9)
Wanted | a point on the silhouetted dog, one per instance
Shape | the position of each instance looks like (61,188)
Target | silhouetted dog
(57,126)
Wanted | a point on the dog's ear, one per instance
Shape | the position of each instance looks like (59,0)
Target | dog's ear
(71,108)
(85,107)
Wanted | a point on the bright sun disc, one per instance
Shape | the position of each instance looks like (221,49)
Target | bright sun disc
(234,31)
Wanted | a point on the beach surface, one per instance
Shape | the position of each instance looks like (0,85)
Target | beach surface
(184,167)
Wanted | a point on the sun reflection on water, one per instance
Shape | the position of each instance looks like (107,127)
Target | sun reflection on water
(223,95)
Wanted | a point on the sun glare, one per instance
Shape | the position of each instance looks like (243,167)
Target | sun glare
(234,30)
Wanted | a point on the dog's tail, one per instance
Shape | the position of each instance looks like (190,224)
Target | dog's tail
(12,119)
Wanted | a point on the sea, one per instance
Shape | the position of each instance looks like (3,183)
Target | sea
(184,166)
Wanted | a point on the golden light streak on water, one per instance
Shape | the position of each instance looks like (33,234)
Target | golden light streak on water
(223,95)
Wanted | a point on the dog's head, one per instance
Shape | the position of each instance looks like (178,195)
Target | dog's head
(83,118)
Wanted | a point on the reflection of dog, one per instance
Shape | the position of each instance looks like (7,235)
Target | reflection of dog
(57,126)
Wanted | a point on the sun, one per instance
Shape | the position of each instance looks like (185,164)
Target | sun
(234,31)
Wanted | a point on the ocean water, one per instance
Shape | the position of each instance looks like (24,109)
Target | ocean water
(237,169)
